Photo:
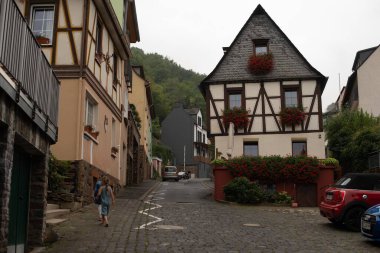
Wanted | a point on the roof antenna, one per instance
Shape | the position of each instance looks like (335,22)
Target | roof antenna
(339,82)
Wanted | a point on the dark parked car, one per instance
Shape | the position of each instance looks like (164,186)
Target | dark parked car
(346,201)
(371,223)
(170,172)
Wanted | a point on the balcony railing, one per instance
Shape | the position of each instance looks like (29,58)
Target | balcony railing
(23,60)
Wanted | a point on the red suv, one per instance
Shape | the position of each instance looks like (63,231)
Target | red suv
(346,201)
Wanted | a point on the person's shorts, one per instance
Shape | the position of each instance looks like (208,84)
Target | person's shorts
(105,210)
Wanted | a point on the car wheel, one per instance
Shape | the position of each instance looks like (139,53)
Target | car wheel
(334,221)
(352,218)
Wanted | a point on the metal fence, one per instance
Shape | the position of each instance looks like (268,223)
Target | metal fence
(22,57)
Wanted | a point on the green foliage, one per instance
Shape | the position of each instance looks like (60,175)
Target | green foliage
(271,169)
(330,162)
(218,162)
(136,115)
(57,173)
(351,136)
(163,152)
(241,190)
(156,129)
(170,82)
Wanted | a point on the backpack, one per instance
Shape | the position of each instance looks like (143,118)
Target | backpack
(97,199)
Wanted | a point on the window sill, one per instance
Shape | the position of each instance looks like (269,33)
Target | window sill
(86,134)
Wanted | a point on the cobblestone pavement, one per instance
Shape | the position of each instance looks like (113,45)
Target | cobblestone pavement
(204,226)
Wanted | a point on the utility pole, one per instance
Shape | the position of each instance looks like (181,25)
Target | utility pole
(184,157)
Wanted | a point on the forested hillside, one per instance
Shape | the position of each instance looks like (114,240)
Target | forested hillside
(170,82)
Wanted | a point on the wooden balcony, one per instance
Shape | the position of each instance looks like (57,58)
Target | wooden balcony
(25,74)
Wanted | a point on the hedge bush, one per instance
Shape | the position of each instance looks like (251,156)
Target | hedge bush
(241,190)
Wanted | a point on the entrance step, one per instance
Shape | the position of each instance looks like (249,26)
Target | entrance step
(54,221)
(50,214)
(52,206)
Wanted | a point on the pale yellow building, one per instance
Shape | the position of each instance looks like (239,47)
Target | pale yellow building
(141,98)
(88,46)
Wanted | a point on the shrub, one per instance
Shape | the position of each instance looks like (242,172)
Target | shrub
(241,190)
(57,173)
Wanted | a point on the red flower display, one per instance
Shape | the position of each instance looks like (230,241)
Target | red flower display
(292,116)
(272,169)
(238,116)
(260,64)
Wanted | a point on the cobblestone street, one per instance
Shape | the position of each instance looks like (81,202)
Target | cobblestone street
(203,226)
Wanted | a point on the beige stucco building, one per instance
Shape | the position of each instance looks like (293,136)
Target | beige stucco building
(88,46)
(141,98)
(289,82)
(362,90)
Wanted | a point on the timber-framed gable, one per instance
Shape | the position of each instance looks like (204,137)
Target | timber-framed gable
(286,84)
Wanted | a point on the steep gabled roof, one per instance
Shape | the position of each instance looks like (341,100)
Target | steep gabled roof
(289,63)
(362,56)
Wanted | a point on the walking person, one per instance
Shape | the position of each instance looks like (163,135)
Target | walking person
(97,199)
(106,196)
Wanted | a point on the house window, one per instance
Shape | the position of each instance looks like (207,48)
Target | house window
(42,23)
(199,121)
(291,98)
(251,149)
(115,66)
(199,136)
(91,111)
(299,148)
(260,46)
(99,35)
(113,138)
(234,100)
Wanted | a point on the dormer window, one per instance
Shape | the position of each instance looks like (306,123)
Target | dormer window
(260,46)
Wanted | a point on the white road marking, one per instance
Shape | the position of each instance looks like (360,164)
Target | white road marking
(150,202)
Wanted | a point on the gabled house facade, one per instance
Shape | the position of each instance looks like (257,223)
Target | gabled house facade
(88,45)
(362,90)
(29,92)
(141,98)
(183,132)
(263,75)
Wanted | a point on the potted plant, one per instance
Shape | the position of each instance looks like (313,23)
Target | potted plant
(238,116)
(260,64)
(42,39)
(114,150)
(292,115)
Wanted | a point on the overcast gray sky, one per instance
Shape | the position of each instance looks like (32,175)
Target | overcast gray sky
(327,32)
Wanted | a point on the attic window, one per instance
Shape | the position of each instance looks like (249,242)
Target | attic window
(260,46)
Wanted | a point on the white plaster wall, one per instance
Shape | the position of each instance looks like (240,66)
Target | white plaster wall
(234,85)
(217,91)
(75,12)
(369,84)
(275,144)
(252,89)
(308,87)
(295,82)
(64,55)
(272,88)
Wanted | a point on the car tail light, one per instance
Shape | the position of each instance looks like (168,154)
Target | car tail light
(338,196)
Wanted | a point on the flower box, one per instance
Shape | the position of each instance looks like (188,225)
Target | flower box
(91,131)
(260,64)
(237,116)
(292,116)
(43,40)
(114,150)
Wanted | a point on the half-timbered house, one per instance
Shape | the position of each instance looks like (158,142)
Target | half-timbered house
(263,77)
(87,43)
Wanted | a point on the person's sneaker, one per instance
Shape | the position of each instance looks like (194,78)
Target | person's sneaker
(106,225)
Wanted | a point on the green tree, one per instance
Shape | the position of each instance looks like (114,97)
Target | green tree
(351,136)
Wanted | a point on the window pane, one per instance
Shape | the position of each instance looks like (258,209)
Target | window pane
(291,99)
(251,149)
(299,148)
(43,22)
(261,50)
(235,100)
